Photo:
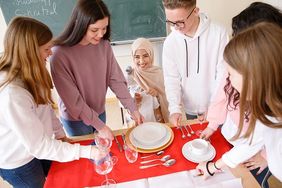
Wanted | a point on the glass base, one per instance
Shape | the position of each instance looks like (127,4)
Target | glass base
(109,183)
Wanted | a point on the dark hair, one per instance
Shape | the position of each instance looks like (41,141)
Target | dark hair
(85,12)
(256,12)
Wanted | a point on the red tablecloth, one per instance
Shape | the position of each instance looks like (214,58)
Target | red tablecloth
(81,173)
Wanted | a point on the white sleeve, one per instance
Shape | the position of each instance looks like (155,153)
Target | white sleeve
(172,81)
(244,151)
(57,127)
(21,115)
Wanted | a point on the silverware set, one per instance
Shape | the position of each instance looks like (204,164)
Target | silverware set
(120,147)
(164,161)
(189,133)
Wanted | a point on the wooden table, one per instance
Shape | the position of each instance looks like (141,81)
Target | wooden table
(240,171)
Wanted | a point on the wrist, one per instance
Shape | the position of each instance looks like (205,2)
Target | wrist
(210,168)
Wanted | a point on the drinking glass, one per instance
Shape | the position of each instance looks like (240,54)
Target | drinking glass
(131,153)
(103,167)
(104,144)
(201,114)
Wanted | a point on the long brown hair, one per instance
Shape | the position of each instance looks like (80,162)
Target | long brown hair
(85,12)
(256,54)
(21,58)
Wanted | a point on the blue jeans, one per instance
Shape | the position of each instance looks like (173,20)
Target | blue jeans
(77,128)
(189,116)
(30,175)
(262,177)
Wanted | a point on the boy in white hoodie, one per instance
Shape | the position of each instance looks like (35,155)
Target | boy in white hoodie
(192,58)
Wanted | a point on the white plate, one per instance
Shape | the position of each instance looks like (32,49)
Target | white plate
(149,133)
(187,153)
(159,144)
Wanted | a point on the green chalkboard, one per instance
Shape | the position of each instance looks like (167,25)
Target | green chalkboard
(54,13)
(130,19)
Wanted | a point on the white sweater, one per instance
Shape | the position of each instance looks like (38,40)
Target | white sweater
(263,137)
(191,65)
(272,139)
(26,130)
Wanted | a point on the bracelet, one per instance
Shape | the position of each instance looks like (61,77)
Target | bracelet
(216,166)
(207,167)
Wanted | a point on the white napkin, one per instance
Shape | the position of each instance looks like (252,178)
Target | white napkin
(141,183)
(224,179)
(175,180)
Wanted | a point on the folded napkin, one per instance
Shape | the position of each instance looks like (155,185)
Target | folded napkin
(141,183)
(175,180)
(223,179)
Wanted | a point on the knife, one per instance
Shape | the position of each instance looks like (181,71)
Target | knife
(118,144)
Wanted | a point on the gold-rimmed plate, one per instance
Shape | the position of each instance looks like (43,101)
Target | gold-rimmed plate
(152,150)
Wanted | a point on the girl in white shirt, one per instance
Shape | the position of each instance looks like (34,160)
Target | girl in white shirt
(29,130)
(254,63)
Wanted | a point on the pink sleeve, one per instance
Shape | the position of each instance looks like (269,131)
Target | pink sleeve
(217,110)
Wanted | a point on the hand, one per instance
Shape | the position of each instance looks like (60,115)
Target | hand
(175,119)
(138,98)
(137,117)
(202,168)
(152,91)
(106,132)
(97,154)
(206,133)
(257,161)
(66,139)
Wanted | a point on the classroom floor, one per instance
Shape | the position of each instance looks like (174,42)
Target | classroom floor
(114,121)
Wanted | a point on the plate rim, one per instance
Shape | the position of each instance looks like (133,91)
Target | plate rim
(149,124)
(149,150)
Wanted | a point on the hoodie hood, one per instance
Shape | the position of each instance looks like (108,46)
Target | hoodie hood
(202,27)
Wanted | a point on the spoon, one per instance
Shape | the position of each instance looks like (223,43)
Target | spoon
(158,153)
(163,159)
(168,163)
(192,132)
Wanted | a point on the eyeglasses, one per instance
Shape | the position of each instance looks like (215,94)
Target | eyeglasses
(179,24)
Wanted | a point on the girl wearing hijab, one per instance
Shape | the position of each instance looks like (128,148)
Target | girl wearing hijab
(148,83)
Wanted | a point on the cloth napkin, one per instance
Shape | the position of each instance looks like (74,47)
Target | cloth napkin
(175,180)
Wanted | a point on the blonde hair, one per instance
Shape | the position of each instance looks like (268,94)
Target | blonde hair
(256,54)
(21,58)
(175,4)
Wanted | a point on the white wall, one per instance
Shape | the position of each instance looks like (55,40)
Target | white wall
(220,11)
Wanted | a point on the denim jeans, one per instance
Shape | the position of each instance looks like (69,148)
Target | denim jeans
(262,177)
(189,116)
(30,175)
(77,128)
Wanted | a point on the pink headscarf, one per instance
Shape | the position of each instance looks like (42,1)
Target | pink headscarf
(151,77)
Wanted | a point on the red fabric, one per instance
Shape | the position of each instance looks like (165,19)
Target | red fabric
(81,173)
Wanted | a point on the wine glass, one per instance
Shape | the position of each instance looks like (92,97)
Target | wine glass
(104,144)
(103,167)
(201,116)
(131,153)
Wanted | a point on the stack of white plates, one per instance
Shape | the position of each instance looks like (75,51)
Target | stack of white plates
(150,135)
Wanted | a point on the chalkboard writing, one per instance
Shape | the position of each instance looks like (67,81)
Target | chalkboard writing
(54,13)
(130,19)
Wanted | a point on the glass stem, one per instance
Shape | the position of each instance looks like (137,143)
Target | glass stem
(107,181)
